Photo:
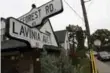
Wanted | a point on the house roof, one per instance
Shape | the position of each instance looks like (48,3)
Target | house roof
(52,48)
(60,35)
(8,44)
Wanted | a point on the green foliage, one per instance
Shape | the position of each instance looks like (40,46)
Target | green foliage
(78,57)
(102,35)
(82,65)
(85,66)
(80,39)
(77,36)
(66,63)
(50,63)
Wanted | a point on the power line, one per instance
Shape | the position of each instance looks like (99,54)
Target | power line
(90,5)
(87,1)
(74,10)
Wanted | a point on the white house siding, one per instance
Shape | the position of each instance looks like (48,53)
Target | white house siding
(66,43)
(2,29)
(62,45)
(47,27)
(2,26)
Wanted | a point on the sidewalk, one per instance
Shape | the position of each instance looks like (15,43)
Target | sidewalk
(102,68)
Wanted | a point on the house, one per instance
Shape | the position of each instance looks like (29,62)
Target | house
(63,39)
(18,56)
(67,39)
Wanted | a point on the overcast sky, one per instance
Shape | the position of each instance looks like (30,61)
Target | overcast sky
(98,12)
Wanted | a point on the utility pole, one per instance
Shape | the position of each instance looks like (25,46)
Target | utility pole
(93,68)
(86,24)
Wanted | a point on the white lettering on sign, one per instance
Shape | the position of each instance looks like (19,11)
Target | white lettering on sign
(36,15)
(23,32)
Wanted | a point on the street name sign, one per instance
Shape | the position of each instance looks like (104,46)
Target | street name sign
(20,31)
(37,15)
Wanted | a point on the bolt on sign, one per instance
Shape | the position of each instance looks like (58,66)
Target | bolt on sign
(37,15)
(20,31)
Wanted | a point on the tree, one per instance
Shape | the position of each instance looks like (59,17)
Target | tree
(76,37)
(101,34)
(80,39)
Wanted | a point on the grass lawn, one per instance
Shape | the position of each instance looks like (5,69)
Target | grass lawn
(86,66)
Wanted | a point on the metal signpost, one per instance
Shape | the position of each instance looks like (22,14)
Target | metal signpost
(21,28)
(37,15)
(20,31)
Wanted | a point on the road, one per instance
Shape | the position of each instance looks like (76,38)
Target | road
(108,63)
(102,67)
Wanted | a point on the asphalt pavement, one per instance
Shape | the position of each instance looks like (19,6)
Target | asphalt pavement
(108,63)
(102,67)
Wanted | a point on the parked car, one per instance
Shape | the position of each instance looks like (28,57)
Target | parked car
(104,55)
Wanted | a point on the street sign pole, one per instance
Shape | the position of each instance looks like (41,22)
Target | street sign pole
(22,30)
